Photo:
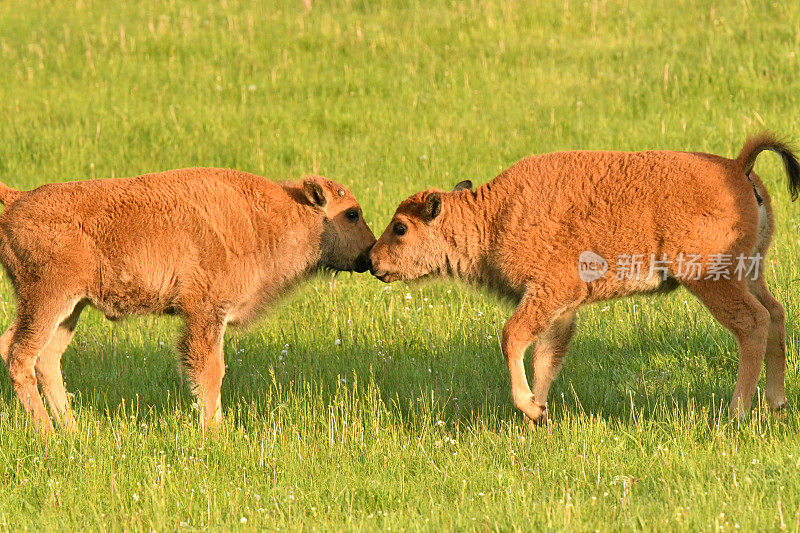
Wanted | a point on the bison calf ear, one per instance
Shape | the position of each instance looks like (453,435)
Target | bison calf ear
(314,193)
(463,185)
(433,206)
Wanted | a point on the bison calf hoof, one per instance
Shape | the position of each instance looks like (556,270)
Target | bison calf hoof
(780,406)
(44,425)
(540,421)
(781,410)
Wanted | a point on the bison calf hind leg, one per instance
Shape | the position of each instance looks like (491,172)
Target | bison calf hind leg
(737,309)
(201,353)
(775,359)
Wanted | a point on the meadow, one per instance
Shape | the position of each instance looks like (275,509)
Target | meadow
(354,405)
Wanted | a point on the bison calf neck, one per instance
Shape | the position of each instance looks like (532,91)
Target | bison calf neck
(557,231)
(209,245)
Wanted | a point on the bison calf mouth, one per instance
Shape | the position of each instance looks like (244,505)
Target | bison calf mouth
(362,263)
(384,275)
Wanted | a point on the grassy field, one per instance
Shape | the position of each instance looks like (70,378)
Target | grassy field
(355,405)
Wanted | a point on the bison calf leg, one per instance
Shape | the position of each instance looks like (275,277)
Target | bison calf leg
(37,319)
(549,352)
(5,341)
(204,360)
(48,370)
(531,319)
(775,357)
(20,359)
(737,309)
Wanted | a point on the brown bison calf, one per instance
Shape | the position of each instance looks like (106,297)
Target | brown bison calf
(557,231)
(209,245)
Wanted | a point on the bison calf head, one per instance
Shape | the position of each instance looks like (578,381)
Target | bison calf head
(412,245)
(346,239)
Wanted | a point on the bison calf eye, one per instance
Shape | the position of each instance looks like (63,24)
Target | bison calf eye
(351,215)
(400,229)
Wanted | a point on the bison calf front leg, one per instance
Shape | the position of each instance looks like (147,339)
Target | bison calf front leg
(548,353)
(38,317)
(531,319)
(204,361)
(48,370)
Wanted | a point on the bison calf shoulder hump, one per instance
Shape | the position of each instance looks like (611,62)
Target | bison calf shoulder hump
(210,245)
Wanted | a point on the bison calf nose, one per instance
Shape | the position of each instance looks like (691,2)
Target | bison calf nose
(362,263)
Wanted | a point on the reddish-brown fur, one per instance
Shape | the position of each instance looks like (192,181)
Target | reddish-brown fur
(521,235)
(210,245)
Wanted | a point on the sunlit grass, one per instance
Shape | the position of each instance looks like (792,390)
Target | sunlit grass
(355,405)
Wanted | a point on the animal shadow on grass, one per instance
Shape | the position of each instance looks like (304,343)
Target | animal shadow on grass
(459,383)
(466,383)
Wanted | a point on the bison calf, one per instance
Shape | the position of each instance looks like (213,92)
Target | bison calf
(557,231)
(209,245)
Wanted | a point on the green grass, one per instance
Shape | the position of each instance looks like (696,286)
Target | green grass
(407,423)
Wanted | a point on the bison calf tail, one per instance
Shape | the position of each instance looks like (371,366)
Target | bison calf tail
(8,195)
(768,141)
